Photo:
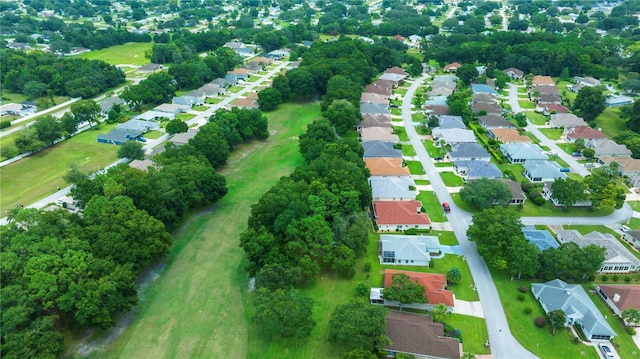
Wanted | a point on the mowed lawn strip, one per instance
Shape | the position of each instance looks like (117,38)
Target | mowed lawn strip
(195,309)
(39,175)
(131,53)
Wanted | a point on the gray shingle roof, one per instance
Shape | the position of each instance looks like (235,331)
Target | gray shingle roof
(449,121)
(373,108)
(415,248)
(527,151)
(613,248)
(396,187)
(479,169)
(468,150)
(380,149)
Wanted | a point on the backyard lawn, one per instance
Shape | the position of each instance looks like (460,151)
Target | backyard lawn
(131,53)
(408,150)
(185,116)
(200,108)
(401,132)
(526,104)
(539,341)
(536,118)
(185,313)
(39,175)
(552,133)
(415,167)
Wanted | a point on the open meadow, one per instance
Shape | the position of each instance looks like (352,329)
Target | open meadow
(131,53)
(197,306)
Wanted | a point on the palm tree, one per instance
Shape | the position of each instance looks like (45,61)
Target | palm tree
(454,275)
(439,312)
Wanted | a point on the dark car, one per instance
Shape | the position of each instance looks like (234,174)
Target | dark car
(438,158)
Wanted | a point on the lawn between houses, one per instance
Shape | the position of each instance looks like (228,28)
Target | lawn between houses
(131,53)
(199,306)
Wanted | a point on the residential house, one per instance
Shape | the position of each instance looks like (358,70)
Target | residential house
(188,101)
(383,166)
(522,152)
(566,120)
(487,108)
(576,305)
(540,237)
(244,51)
(542,171)
(172,109)
(117,137)
(586,81)
(609,148)
(261,60)
(633,238)
(107,104)
(448,121)
(547,193)
(627,166)
(385,83)
(448,81)
(418,336)
(378,134)
(440,91)
(620,296)
(482,88)
(17,109)
(154,116)
(508,135)
(547,99)
(585,132)
(278,54)
(373,109)
(212,89)
(250,101)
(142,165)
(241,71)
(392,77)
(517,194)
(453,135)
(235,44)
(436,101)
(618,100)
(472,170)
(368,97)
(138,126)
(151,68)
(539,81)
(380,149)
(183,138)
(436,109)
(236,78)
(368,40)
(483,98)
(222,82)
(514,73)
(400,215)
(468,152)
(617,258)
(379,89)
(452,67)
(392,188)
(374,121)
(408,250)
(492,122)
(396,70)
(481,70)
(551,109)
(433,283)
(544,90)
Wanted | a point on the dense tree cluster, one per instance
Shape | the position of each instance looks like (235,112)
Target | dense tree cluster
(61,270)
(359,325)
(485,193)
(498,235)
(156,89)
(62,76)
(312,220)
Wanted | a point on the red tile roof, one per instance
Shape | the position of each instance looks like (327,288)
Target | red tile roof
(399,212)
(629,295)
(452,66)
(433,284)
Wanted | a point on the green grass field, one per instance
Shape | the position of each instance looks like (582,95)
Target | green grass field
(39,175)
(415,167)
(197,307)
(526,104)
(474,333)
(200,108)
(450,179)
(537,340)
(408,150)
(432,207)
(401,132)
(536,118)
(610,122)
(129,53)
(552,133)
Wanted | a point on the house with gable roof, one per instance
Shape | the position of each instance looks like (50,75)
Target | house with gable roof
(418,336)
(373,109)
(508,135)
(452,67)
(383,166)
(407,249)
(487,108)
(433,283)
(522,152)
(620,296)
(576,305)
(468,152)
(483,98)
(400,215)
(471,170)
(585,132)
(606,147)
(454,135)
(542,171)
(514,73)
(380,149)
(539,81)
(449,121)
(374,121)
(392,188)
(517,194)
(378,134)
(617,258)
(566,120)
(482,88)
(492,121)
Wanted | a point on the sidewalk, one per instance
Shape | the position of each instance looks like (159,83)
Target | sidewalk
(465,307)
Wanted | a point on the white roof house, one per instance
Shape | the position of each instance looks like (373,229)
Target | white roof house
(454,135)
(618,259)
(522,152)
(392,188)
(542,171)
(409,250)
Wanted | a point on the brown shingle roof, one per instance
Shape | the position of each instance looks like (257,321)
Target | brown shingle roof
(396,70)
(542,81)
(585,132)
(386,166)
(375,121)
(374,98)
(418,335)
(629,295)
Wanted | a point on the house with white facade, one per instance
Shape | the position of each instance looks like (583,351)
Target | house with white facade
(617,258)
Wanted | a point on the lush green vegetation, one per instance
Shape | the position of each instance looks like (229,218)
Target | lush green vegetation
(536,118)
(526,104)
(415,167)
(408,150)
(131,53)
(610,122)
(431,206)
(39,175)
(552,133)
(474,334)
(451,179)
(204,247)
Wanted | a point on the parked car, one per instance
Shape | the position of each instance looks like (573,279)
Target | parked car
(625,228)
(606,351)
(576,154)
(565,169)
(446,207)
(438,158)
(142,139)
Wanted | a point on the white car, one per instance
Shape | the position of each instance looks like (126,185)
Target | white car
(625,228)
(606,351)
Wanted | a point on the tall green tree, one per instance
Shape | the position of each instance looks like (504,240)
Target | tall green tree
(211,142)
(439,312)
(48,129)
(524,258)
(485,193)
(359,325)
(467,73)
(568,191)
(494,230)
(557,320)
(343,115)
(284,312)
(269,99)
(404,290)
(454,275)
(589,103)
(631,316)
(131,149)
(86,111)
(176,126)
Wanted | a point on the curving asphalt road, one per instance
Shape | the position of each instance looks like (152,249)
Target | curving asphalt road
(503,344)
